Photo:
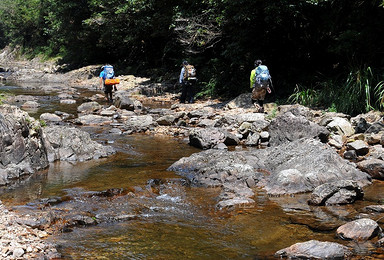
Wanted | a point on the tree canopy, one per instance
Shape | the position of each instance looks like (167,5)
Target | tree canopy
(310,46)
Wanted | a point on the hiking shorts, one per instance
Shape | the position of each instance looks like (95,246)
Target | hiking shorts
(258,93)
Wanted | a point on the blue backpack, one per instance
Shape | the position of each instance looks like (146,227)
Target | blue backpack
(109,72)
(262,74)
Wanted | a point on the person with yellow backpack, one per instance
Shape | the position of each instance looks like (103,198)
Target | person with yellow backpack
(188,81)
(260,81)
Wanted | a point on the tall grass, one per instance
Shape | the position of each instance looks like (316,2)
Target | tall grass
(304,96)
(360,92)
(379,94)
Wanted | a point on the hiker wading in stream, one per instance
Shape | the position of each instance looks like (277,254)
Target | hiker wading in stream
(260,80)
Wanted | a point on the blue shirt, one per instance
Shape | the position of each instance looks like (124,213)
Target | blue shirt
(102,74)
(181,78)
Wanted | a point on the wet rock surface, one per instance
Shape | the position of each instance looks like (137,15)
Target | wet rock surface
(299,166)
(315,250)
(359,230)
(336,193)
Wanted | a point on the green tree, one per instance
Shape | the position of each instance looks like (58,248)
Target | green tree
(22,22)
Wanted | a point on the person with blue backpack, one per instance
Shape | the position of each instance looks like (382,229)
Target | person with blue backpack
(106,74)
(187,80)
(260,80)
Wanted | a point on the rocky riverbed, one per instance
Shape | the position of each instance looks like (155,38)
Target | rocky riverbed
(286,151)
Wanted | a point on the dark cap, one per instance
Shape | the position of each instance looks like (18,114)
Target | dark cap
(258,62)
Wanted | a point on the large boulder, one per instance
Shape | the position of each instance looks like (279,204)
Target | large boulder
(288,127)
(21,145)
(299,166)
(72,144)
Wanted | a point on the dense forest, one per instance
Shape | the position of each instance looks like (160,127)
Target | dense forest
(326,53)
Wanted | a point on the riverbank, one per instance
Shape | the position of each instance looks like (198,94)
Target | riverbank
(304,149)
(19,241)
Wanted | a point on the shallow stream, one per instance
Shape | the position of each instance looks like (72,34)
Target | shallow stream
(178,222)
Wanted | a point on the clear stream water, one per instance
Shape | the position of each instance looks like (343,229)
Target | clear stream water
(179,222)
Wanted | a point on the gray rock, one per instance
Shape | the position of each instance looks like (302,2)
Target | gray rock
(359,146)
(336,193)
(299,166)
(250,117)
(115,131)
(336,141)
(220,146)
(264,136)
(288,127)
(314,249)
(361,125)
(234,195)
(350,155)
(89,107)
(93,120)
(374,167)
(253,139)
(68,101)
(234,202)
(48,117)
(30,104)
(140,123)
(206,123)
(18,252)
(71,144)
(21,144)
(316,162)
(124,101)
(166,120)
(375,128)
(340,126)
(246,128)
(24,98)
(107,112)
(206,138)
(359,230)
(375,208)
(242,101)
